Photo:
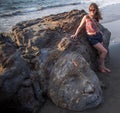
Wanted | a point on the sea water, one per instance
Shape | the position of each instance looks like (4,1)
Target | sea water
(14,11)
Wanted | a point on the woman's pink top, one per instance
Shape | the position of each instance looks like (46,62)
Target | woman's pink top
(91,26)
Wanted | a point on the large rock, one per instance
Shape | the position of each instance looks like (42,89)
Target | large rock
(19,85)
(73,85)
(44,61)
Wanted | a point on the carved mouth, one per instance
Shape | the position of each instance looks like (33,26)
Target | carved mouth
(93,100)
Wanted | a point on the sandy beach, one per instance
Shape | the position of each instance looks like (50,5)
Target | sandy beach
(111,91)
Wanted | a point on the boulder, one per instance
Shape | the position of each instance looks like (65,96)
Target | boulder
(44,62)
(20,88)
(73,84)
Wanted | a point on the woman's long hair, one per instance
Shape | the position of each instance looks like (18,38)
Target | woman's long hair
(98,13)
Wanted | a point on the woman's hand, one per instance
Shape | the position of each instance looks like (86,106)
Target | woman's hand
(73,36)
(82,24)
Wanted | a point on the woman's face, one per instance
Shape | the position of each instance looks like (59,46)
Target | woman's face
(92,11)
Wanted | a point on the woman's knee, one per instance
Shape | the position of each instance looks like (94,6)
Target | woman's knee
(104,51)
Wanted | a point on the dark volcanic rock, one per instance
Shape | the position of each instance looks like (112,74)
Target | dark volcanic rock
(19,85)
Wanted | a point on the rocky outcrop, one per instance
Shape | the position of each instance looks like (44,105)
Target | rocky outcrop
(20,87)
(43,62)
(73,85)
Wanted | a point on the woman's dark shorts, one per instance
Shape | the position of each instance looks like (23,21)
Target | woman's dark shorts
(94,39)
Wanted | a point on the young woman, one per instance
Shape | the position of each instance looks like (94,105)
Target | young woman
(90,21)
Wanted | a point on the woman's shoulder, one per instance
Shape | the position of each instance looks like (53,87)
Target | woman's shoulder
(86,16)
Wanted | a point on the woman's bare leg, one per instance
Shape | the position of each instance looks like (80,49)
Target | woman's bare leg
(102,54)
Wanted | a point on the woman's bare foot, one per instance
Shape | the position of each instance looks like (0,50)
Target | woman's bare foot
(107,69)
(101,69)
(104,69)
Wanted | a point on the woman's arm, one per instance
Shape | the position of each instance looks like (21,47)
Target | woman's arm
(82,23)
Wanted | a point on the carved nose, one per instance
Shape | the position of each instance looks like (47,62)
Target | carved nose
(89,88)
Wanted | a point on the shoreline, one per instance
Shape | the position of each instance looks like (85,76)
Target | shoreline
(113,27)
(110,13)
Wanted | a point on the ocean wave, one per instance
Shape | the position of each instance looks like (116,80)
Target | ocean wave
(59,5)
(21,10)
(20,7)
(33,9)
(11,14)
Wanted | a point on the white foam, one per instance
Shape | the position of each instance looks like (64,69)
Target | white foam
(105,3)
(32,12)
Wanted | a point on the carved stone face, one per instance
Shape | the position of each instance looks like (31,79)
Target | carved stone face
(73,85)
